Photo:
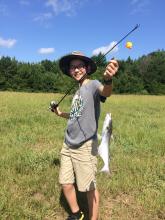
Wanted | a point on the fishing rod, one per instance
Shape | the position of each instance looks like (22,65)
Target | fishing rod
(54,105)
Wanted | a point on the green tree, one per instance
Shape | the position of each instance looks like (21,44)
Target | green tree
(144,75)
(100,60)
(8,69)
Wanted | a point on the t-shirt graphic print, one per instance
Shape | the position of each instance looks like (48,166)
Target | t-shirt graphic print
(77,107)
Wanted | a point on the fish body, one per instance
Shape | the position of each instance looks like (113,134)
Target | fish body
(103,148)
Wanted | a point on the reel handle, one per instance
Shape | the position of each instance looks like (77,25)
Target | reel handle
(53,106)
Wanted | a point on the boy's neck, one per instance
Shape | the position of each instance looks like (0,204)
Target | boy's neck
(84,81)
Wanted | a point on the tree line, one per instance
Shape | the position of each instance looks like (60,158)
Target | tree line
(145,75)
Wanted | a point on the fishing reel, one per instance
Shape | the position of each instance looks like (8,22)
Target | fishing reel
(53,106)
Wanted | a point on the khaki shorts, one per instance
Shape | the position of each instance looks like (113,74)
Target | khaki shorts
(79,165)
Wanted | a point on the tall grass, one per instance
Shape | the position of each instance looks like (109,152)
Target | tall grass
(30,141)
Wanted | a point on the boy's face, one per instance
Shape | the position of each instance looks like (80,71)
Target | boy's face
(77,69)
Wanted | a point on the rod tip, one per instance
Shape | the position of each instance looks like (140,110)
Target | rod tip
(137,25)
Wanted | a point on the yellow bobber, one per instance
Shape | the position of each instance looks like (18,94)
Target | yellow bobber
(129,45)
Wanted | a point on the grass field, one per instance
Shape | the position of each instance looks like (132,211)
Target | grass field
(30,142)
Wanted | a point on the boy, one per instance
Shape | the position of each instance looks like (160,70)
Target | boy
(78,155)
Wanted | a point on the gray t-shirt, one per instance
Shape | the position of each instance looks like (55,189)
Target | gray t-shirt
(84,115)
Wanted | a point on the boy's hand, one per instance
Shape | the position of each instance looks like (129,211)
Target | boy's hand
(111,69)
(57,111)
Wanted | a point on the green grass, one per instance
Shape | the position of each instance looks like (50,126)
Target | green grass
(30,141)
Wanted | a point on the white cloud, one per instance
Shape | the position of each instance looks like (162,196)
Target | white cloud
(3,9)
(43,17)
(56,7)
(24,2)
(46,50)
(105,49)
(7,43)
(64,6)
(134,1)
(139,6)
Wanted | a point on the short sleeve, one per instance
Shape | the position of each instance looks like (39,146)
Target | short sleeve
(96,85)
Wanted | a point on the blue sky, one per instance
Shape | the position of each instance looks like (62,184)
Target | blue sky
(34,30)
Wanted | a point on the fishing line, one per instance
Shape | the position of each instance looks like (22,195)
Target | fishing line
(54,105)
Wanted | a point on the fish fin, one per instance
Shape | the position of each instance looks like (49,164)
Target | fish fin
(105,170)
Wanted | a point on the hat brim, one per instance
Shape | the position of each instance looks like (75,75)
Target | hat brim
(65,62)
